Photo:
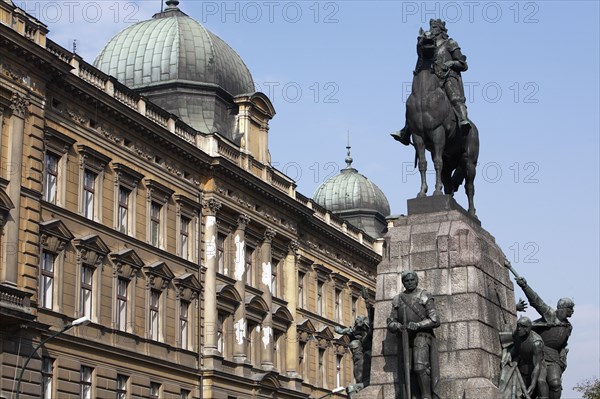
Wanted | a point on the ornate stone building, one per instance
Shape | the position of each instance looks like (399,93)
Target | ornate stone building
(139,193)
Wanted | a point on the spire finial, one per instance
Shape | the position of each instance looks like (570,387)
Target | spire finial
(348,157)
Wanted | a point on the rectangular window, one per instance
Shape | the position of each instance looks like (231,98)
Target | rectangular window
(154,390)
(121,392)
(220,323)
(85,297)
(85,390)
(221,253)
(338,305)
(322,368)
(47,377)
(47,283)
(338,371)
(51,177)
(301,289)
(185,394)
(319,298)
(302,360)
(89,192)
(122,304)
(354,307)
(155,209)
(154,313)
(249,271)
(183,323)
(274,285)
(123,210)
(184,235)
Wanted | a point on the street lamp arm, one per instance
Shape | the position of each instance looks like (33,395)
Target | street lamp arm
(62,330)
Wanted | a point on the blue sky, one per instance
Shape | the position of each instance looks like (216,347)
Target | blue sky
(332,67)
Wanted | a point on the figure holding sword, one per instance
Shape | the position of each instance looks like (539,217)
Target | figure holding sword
(414,317)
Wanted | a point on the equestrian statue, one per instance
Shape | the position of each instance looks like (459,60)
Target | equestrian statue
(436,115)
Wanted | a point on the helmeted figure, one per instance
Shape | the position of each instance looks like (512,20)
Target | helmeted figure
(555,329)
(450,62)
(523,366)
(414,314)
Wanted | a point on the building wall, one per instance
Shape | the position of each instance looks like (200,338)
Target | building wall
(61,119)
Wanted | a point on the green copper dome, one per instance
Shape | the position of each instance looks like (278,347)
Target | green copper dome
(173,47)
(355,198)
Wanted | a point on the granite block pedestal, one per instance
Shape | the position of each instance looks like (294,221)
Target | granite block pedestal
(463,267)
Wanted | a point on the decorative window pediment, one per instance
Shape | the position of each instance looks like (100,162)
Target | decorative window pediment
(91,250)
(54,235)
(256,307)
(323,272)
(92,159)
(57,141)
(159,275)
(187,206)
(5,206)
(267,380)
(127,176)
(188,286)
(127,262)
(228,298)
(305,329)
(339,280)
(158,192)
(324,336)
(282,318)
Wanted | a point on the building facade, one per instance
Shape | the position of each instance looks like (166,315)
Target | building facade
(205,274)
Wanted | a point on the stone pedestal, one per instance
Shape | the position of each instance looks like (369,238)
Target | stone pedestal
(461,265)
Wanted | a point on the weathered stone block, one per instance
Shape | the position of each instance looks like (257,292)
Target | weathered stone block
(481,388)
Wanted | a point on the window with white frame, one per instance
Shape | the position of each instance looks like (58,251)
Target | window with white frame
(92,164)
(338,305)
(85,291)
(51,163)
(221,253)
(85,382)
(121,391)
(184,237)
(154,314)
(184,307)
(126,183)
(57,147)
(155,230)
(89,194)
(122,302)
(47,283)
(301,277)
(47,377)
(158,198)
(123,212)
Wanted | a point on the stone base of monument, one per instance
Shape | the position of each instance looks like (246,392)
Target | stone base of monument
(463,267)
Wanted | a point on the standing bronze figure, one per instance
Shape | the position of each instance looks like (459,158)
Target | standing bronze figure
(436,115)
(415,317)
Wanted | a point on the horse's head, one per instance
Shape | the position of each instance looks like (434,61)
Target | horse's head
(426,44)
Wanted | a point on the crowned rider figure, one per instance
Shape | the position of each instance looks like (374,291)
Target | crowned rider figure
(450,62)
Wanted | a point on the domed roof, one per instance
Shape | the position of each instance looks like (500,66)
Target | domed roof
(172,46)
(349,190)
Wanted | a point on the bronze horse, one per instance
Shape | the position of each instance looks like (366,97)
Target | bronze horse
(434,126)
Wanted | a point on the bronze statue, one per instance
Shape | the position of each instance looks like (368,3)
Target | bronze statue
(361,334)
(436,115)
(414,317)
(523,367)
(555,329)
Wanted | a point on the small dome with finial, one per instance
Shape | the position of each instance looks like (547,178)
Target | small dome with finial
(355,198)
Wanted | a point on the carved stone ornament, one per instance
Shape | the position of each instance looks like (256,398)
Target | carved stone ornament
(212,206)
(243,221)
(19,104)
(269,234)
